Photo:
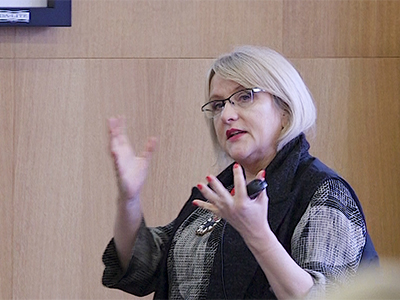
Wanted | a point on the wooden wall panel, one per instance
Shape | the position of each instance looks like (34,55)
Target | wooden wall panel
(328,81)
(7,42)
(375,141)
(358,134)
(147,60)
(48,206)
(7,178)
(314,28)
(154,95)
(160,28)
(65,186)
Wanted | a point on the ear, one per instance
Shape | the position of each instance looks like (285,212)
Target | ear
(285,119)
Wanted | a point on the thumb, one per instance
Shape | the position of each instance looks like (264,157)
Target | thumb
(150,148)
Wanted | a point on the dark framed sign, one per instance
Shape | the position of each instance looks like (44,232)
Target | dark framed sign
(35,13)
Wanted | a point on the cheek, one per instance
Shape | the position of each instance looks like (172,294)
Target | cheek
(267,123)
(219,131)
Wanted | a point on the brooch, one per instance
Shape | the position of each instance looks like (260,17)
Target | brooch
(208,225)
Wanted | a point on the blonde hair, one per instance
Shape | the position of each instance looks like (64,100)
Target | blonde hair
(252,66)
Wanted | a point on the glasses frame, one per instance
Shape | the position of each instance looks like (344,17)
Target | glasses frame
(208,113)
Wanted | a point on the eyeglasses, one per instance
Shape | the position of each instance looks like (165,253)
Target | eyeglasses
(243,99)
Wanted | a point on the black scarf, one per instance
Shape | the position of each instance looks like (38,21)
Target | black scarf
(293,176)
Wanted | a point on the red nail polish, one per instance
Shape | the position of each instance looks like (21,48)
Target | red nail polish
(194,204)
(208,178)
(199,186)
(236,165)
(263,174)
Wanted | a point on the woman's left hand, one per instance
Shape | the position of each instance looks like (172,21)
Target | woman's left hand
(246,215)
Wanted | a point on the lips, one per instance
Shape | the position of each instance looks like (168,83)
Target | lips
(233,132)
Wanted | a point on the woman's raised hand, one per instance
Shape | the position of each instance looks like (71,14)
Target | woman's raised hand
(131,170)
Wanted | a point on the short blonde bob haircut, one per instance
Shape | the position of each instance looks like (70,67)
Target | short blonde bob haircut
(253,66)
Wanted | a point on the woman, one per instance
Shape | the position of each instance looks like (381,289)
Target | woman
(302,235)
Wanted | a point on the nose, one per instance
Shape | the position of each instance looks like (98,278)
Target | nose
(229,112)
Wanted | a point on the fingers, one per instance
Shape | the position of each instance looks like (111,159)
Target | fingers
(233,206)
(219,198)
(239,181)
(210,195)
(218,195)
(261,175)
(263,195)
(150,148)
(206,205)
(216,190)
(119,140)
(211,192)
(116,125)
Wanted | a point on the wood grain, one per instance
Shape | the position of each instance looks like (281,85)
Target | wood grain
(358,133)
(7,176)
(345,28)
(7,42)
(167,28)
(65,187)
(147,60)
(48,186)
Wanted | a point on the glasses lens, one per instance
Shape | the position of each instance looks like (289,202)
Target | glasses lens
(243,98)
(213,108)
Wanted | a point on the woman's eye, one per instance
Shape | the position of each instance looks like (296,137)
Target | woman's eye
(217,105)
(244,97)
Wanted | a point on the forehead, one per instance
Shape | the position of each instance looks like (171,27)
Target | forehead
(221,88)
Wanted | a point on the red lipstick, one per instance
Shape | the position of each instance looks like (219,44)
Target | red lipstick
(233,132)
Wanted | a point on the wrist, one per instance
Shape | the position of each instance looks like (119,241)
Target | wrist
(262,240)
(129,211)
(128,204)
(124,198)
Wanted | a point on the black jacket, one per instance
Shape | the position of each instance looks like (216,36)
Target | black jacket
(293,177)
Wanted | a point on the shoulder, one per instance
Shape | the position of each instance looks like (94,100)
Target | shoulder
(331,191)
(333,199)
(331,235)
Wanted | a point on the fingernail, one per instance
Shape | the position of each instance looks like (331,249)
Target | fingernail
(199,186)
(194,203)
(263,174)
(236,165)
(208,178)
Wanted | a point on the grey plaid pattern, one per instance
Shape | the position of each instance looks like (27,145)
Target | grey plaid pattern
(191,257)
(328,243)
(330,237)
